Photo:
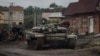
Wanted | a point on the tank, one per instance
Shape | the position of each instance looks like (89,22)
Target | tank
(49,36)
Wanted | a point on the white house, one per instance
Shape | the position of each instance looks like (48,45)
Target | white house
(53,16)
(16,14)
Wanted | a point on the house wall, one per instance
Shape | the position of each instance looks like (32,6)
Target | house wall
(81,23)
(1,18)
(46,15)
(6,17)
(18,16)
(97,24)
(54,20)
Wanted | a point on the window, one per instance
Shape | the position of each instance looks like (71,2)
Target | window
(84,22)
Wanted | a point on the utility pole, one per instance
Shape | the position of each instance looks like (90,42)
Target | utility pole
(34,20)
(10,16)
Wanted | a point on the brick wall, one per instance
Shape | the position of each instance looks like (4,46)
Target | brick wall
(82,22)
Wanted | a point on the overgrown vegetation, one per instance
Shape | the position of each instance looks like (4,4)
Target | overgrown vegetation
(30,11)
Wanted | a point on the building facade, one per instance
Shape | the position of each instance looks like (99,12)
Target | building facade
(1,18)
(46,15)
(13,15)
(53,17)
(84,16)
(56,17)
(6,17)
(16,14)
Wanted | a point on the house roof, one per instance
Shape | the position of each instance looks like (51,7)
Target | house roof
(16,8)
(83,6)
(56,14)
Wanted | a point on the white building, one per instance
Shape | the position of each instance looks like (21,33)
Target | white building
(46,15)
(53,16)
(14,15)
(6,17)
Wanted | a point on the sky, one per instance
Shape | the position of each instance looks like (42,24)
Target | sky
(38,3)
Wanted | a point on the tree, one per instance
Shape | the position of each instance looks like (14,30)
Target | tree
(53,5)
(4,8)
(29,10)
(29,15)
(28,22)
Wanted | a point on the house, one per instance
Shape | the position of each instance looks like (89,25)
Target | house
(16,14)
(56,17)
(6,17)
(1,18)
(13,15)
(84,16)
(52,15)
(46,15)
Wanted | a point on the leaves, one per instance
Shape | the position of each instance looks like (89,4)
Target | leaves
(53,5)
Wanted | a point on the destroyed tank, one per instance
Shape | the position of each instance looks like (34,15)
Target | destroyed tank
(49,36)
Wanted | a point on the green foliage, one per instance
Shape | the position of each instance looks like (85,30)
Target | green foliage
(53,5)
(29,15)
(29,10)
(4,8)
(28,22)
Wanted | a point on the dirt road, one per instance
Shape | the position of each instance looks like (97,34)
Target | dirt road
(20,49)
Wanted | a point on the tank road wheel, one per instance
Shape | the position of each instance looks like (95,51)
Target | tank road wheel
(40,42)
(71,43)
(32,43)
(35,43)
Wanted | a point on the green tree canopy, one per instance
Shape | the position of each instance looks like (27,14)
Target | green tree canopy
(28,10)
(53,5)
